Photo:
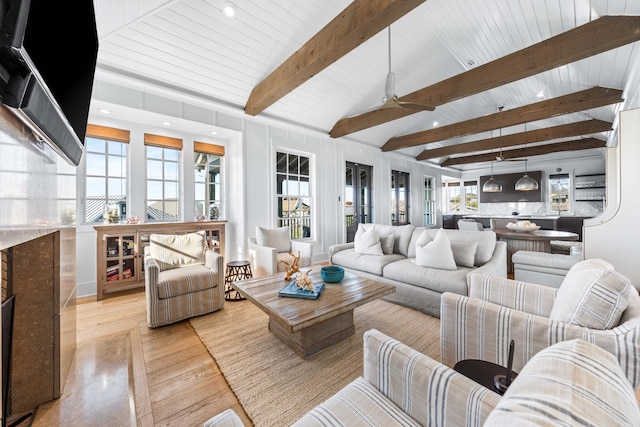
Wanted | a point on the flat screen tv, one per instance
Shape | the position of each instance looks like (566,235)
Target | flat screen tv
(48,53)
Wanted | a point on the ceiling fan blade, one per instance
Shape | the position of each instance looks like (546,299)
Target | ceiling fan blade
(416,106)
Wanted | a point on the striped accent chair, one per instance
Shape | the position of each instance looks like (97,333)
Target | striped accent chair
(498,310)
(183,278)
(572,383)
(401,386)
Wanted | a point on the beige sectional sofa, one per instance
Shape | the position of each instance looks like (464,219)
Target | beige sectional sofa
(417,286)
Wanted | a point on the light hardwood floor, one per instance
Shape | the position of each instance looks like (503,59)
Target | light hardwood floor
(126,374)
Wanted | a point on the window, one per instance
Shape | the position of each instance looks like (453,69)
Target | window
(429,201)
(559,192)
(294,201)
(208,179)
(106,171)
(163,156)
(399,198)
(451,196)
(471,196)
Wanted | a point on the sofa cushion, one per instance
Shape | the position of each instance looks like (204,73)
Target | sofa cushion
(486,242)
(592,296)
(368,243)
(464,254)
(373,264)
(437,253)
(357,404)
(401,235)
(278,238)
(570,383)
(387,242)
(407,271)
(185,280)
(176,250)
(418,234)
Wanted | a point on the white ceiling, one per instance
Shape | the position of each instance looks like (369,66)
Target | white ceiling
(190,45)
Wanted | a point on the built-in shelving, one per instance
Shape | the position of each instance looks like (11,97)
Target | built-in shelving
(590,188)
(120,250)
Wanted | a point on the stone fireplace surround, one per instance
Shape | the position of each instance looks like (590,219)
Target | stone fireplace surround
(38,248)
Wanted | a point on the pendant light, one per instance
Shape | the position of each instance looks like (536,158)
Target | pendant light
(526,183)
(491,185)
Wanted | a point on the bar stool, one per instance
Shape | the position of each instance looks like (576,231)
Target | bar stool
(236,270)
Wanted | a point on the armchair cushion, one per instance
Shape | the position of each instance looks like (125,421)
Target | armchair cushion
(185,280)
(176,250)
(570,383)
(279,238)
(591,296)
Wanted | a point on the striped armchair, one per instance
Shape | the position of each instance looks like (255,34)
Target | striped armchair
(401,386)
(183,278)
(499,310)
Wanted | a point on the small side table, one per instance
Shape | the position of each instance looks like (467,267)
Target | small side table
(236,270)
(482,372)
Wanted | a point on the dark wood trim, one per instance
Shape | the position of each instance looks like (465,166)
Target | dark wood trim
(538,150)
(572,103)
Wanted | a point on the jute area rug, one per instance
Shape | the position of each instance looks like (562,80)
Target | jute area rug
(273,384)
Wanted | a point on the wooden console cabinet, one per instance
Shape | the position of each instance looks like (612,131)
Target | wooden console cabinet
(120,250)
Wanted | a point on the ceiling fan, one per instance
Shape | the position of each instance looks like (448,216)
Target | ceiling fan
(500,158)
(390,99)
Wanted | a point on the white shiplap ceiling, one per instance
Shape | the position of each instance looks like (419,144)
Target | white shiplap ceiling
(191,45)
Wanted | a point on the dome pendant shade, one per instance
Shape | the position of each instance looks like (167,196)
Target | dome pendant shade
(526,183)
(492,186)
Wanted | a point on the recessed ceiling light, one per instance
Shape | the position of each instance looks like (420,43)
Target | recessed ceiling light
(435,124)
(104,111)
(540,94)
(166,123)
(213,132)
(229,9)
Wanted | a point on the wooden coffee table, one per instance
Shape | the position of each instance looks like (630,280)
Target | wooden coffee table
(308,326)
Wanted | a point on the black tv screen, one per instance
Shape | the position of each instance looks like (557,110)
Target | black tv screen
(48,52)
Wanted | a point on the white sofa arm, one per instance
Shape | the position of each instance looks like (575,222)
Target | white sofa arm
(263,259)
(428,391)
(339,247)
(497,265)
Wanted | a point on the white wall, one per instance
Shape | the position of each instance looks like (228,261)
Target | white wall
(615,236)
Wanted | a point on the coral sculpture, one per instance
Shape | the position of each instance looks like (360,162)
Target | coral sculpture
(303,281)
(292,267)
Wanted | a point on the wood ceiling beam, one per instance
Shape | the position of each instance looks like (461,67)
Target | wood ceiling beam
(563,131)
(600,35)
(574,102)
(356,24)
(538,150)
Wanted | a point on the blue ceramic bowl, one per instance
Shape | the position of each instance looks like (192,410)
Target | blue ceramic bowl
(332,273)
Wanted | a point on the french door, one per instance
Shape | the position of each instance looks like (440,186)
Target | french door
(357,200)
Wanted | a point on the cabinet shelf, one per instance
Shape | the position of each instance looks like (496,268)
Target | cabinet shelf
(120,250)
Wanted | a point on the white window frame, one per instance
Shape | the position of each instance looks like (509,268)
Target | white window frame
(163,180)
(296,234)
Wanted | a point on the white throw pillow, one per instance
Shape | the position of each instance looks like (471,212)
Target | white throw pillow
(592,296)
(464,253)
(386,241)
(423,239)
(437,253)
(368,243)
(279,238)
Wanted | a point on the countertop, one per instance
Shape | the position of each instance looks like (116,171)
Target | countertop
(516,217)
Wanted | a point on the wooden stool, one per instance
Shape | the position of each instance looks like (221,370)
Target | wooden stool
(236,270)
